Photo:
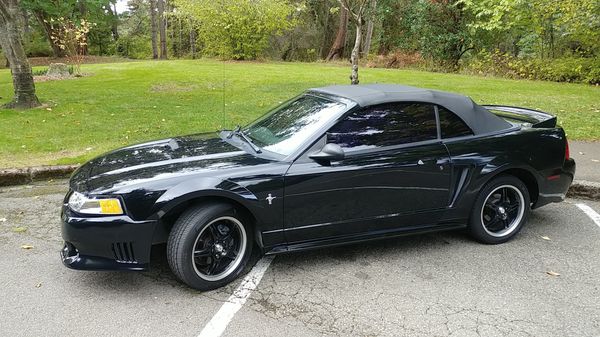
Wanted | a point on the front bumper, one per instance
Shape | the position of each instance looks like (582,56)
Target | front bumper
(105,243)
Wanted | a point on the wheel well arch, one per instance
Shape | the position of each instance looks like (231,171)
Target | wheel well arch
(527,178)
(167,220)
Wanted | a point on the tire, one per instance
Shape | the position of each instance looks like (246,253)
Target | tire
(209,246)
(500,211)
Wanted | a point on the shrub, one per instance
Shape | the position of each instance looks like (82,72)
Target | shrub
(396,59)
(135,47)
(36,45)
(593,77)
(568,69)
(39,71)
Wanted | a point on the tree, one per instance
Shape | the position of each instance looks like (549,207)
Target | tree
(357,9)
(237,29)
(442,32)
(193,42)
(98,11)
(72,38)
(397,19)
(162,28)
(12,45)
(542,28)
(370,27)
(153,28)
(310,37)
(43,11)
(337,49)
(114,24)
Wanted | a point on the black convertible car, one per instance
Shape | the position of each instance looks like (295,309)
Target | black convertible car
(332,166)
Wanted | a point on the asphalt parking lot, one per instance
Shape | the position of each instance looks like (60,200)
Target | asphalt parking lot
(430,285)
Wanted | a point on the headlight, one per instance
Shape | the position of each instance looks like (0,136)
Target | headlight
(82,204)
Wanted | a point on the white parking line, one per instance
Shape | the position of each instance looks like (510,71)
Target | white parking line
(221,319)
(590,212)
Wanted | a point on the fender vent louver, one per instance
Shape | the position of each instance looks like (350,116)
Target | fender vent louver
(460,183)
(123,252)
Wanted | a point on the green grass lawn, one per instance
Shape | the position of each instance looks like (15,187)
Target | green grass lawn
(124,103)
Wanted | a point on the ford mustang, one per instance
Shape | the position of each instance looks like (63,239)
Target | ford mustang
(332,166)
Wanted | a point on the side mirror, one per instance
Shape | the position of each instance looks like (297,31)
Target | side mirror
(328,153)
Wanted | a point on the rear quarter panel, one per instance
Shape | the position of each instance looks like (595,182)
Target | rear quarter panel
(539,151)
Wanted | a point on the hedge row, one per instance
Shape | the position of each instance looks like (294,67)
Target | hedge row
(569,69)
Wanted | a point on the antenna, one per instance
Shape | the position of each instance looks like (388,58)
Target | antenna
(223,115)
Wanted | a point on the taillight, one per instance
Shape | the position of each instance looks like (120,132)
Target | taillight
(567,154)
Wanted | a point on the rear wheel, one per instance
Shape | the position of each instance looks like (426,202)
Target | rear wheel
(501,210)
(209,246)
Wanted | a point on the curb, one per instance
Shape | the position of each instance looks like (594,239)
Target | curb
(8,177)
(26,175)
(584,189)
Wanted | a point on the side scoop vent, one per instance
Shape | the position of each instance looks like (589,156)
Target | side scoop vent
(123,252)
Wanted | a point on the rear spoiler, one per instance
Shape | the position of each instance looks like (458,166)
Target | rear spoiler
(537,119)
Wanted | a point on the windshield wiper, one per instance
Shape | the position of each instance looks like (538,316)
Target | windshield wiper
(238,132)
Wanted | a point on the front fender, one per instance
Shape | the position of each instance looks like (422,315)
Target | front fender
(268,218)
(204,187)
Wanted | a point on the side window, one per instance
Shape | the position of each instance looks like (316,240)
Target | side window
(385,125)
(451,125)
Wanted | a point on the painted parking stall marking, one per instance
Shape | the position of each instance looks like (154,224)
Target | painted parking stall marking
(590,212)
(218,323)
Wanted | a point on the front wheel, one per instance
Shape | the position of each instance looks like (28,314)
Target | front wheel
(500,211)
(209,246)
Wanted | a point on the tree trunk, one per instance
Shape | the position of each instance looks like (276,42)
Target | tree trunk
(26,26)
(384,47)
(325,42)
(114,25)
(162,29)
(355,52)
(154,27)
(180,47)
(43,21)
(337,49)
(193,42)
(12,45)
(369,34)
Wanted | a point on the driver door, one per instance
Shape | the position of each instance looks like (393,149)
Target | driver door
(395,175)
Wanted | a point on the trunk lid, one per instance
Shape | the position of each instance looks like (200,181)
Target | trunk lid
(535,118)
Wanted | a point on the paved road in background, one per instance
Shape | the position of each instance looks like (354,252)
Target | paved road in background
(430,285)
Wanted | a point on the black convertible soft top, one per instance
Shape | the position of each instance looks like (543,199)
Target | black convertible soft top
(477,117)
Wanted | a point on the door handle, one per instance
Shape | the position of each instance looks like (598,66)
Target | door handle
(439,163)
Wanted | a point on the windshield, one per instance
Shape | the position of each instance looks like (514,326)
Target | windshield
(286,127)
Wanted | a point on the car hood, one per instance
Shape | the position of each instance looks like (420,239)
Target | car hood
(161,160)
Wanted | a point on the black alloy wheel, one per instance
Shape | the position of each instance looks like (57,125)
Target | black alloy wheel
(210,245)
(219,248)
(500,210)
